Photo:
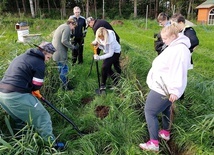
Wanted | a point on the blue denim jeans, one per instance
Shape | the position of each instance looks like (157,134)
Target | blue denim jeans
(63,71)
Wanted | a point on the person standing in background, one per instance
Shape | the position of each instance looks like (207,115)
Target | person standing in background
(167,80)
(61,41)
(163,21)
(187,31)
(79,35)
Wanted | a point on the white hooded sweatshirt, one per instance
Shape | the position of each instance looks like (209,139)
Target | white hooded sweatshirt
(110,47)
(170,68)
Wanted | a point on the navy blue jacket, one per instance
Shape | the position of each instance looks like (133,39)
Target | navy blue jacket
(81,26)
(25,73)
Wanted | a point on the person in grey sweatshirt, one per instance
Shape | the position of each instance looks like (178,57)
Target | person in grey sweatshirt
(61,41)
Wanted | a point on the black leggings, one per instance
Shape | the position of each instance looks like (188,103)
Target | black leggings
(107,70)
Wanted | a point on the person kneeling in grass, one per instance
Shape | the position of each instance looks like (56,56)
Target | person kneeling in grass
(167,80)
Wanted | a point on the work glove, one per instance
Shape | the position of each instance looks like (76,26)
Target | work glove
(94,43)
(37,94)
(76,47)
(96,57)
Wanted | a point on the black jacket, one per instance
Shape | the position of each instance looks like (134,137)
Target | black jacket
(102,23)
(25,73)
(191,34)
(81,26)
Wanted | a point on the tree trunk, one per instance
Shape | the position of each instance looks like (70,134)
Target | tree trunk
(189,9)
(95,8)
(156,8)
(35,7)
(24,7)
(32,8)
(87,9)
(49,10)
(120,8)
(63,9)
(135,8)
(103,9)
(17,5)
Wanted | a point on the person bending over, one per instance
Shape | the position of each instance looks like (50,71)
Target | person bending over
(106,40)
(22,80)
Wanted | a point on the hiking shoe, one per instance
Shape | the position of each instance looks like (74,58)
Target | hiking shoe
(59,146)
(102,88)
(67,88)
(112,87)
(164,134)
(151,145)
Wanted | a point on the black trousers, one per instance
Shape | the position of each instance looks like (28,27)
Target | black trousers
(116,62)
(107,68)
(78,54)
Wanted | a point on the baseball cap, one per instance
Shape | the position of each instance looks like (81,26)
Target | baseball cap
(46,46)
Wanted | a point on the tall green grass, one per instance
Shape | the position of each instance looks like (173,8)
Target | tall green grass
(124,128)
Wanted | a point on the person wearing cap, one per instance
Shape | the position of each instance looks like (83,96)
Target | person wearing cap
(23,78)
(96,24)
(79,35)
(61,41)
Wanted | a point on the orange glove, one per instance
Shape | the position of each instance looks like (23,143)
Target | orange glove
(37,94)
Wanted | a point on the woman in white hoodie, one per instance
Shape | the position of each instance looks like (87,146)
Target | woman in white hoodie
(167,80)
(106,41)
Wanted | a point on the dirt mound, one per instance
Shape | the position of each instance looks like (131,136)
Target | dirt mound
(117,22)
(86,100)
(102,111)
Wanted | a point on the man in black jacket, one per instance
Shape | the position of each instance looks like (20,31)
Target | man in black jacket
(20,86)
(97,23)
(79,34)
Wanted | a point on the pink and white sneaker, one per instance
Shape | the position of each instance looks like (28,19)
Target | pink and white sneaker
(152,145)
(164,134)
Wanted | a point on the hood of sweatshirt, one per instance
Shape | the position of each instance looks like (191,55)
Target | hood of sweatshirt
(182,39)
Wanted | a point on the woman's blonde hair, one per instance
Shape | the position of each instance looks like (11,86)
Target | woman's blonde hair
(102,32)
(171,30)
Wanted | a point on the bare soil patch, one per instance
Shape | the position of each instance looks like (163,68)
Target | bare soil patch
(117,22)
(102,111)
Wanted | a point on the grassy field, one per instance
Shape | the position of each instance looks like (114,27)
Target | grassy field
(118,128)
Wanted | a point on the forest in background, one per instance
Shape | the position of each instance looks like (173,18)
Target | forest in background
(111,9)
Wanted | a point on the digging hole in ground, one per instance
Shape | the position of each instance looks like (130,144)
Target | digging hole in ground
(102,111)
(171,148)
(86,100)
